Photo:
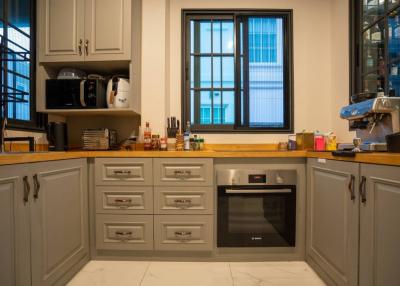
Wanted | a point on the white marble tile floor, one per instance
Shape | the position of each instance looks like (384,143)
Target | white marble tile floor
(142,273)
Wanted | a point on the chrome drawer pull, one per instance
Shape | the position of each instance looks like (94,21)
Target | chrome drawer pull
(122,172)
(183,203)
(123,235)
(183,235)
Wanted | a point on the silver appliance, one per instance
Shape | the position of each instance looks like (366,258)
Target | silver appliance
(256,208)
(372,120)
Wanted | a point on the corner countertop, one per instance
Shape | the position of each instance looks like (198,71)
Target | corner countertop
(382,158)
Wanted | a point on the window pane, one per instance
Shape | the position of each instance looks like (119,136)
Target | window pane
(217,67)
(217,107)
(200,36)
(228,107)
(227,37)
(266,93)
(200,72)
(205,107)
(228,72)
(217,37)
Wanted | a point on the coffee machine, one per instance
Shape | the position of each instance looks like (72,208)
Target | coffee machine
(57,136)
(372,120)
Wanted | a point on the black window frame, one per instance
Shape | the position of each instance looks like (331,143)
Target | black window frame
(38,121)
(237,15)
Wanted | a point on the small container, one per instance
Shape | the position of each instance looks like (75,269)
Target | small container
(305,141)
(163,144)
(394,70)
(171,144)
(292,142)
(330,142)
(283,146)
(201,144)
(155,142)
(179,144)
(319,142)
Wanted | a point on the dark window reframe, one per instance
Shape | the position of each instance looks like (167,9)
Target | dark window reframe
(38,121)
(287,16)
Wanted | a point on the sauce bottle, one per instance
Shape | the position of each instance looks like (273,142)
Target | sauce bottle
(147,137)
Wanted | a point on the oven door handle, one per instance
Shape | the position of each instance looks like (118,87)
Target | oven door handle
(257,191)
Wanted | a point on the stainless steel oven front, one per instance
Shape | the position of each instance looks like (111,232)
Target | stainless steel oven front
(256,208)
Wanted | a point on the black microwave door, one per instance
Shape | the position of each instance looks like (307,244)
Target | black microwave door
(256,220)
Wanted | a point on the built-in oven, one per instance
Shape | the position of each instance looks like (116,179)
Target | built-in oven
(256,208)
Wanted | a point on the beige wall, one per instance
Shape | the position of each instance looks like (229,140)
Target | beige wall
(320,63)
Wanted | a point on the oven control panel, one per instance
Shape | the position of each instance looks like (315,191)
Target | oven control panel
(229,177)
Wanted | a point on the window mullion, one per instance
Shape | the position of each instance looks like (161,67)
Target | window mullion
(245,72)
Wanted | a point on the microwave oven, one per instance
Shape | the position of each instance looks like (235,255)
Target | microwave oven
(75,93)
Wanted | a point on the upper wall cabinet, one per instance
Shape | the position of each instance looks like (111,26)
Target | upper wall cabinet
(84,30)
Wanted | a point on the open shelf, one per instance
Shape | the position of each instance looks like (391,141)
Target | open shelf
(93,112)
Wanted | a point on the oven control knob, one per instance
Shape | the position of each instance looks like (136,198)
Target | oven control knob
(279,179)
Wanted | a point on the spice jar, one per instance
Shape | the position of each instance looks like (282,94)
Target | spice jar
(163,144)
(292,142)
(155,142)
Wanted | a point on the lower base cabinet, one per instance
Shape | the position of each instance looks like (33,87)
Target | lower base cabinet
(45,213)
(353,223)
(180,232)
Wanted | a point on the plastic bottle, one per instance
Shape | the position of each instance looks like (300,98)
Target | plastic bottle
(186,137)
(147,137)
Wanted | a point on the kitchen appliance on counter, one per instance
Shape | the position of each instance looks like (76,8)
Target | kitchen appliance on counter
(57,136)
(99,139)
(118,89)
(75,93)
(256,208)
(373,120)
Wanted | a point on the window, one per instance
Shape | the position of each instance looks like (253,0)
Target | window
(18,63)
(237,73)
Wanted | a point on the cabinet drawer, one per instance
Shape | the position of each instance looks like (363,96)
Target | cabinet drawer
(123,171)
(180,200)
(187,233)
(124,232)
(185,172)
(124,199)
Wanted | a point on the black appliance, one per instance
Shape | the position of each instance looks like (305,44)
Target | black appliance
(393,142)
(256,208)
(75,93)
(57,136)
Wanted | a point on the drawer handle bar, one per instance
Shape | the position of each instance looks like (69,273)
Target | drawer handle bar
(122,172)
(123,235)
(123,201)
(182,173)
(183,201)
(257,191)
(183,235)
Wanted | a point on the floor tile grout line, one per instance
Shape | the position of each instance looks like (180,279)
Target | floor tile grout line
(230,270)
(145,272)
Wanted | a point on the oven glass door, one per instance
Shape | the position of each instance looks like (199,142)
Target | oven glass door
(256,216)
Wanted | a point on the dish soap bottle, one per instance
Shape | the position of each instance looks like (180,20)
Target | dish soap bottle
(186,137)
(147,137)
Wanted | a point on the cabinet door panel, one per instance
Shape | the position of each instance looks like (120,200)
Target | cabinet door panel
(380,227)
(59,220)
(14,229)
(61,30)
(108,29)
(332,228)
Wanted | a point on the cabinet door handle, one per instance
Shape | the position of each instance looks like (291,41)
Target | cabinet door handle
(363,190)
(351,187)
(80,47)
(27,189)
(36,186)
(87,47)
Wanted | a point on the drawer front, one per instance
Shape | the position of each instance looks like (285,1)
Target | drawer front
(124,232)
(124,199)
(187,233)
(184,172)
(123,171)
(181,200)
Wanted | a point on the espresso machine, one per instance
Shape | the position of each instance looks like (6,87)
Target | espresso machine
(372,120)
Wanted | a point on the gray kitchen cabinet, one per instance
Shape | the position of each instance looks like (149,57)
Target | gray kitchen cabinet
(14,228)
(379,225)
(43,222)
(84,30)
(59,219)
(332,220)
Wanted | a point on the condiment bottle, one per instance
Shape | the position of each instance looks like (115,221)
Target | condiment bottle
(147,137)
(319,142)
(163,144)
(155,142)
(186,137)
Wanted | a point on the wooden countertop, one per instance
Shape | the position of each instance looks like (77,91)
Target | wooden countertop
(373,158)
